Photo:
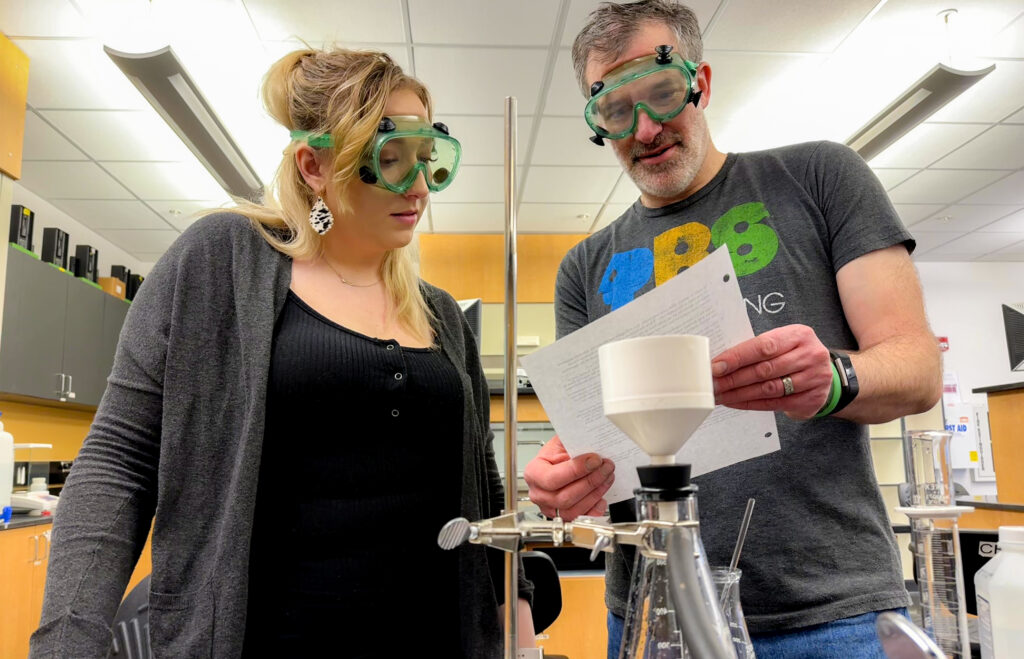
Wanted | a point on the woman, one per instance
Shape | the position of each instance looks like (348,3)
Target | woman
(299,412)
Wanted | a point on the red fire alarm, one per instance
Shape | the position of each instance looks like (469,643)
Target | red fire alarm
(943,343)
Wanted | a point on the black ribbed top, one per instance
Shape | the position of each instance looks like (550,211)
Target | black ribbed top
(359,431)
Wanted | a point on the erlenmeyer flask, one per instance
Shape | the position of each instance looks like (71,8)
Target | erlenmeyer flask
(652,628)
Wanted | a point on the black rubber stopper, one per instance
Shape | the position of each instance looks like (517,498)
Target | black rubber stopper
(665,477)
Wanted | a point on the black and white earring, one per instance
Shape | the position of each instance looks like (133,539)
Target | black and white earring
(320,217)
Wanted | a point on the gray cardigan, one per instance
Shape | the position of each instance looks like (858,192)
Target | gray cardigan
(176,441)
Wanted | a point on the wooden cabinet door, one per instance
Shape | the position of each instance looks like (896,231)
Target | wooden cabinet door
(18,551)
(35,311)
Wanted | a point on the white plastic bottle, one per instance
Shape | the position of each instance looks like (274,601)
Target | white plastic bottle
(6,474)
(999,586)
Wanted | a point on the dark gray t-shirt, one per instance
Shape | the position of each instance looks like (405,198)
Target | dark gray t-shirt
(820,546)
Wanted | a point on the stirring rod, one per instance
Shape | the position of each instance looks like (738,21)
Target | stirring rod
(743,534)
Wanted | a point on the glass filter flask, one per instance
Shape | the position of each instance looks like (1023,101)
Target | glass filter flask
(674,554)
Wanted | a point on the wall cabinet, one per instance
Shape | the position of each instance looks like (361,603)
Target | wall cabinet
(24,553)
(59,333)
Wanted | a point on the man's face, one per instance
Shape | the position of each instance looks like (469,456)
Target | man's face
(663,159)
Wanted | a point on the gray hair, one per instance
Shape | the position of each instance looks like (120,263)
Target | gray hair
(611,26)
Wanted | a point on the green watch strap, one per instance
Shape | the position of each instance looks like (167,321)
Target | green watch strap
(833,395)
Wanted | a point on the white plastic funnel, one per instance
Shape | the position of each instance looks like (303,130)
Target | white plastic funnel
(657,390)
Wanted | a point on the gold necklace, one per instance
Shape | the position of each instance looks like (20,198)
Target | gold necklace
(345,281)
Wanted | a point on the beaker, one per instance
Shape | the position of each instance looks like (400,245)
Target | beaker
(936,552)
(928,465)
(652,627)
(727,584)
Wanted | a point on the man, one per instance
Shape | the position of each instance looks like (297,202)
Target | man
(824,267)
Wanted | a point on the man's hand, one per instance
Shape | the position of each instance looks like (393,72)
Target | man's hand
(568,487)
(749,376)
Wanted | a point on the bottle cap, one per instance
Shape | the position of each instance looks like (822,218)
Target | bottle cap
(1014,534)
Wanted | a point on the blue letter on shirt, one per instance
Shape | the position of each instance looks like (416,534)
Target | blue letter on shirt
(626,274)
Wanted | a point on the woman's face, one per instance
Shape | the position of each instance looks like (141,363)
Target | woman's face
(381,218)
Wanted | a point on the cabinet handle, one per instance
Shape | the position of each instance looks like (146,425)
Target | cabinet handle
(46,546)
(60,394)
(71,394)
(35,549)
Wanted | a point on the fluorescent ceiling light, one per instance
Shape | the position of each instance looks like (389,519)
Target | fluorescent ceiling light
(923,99)
(161,78)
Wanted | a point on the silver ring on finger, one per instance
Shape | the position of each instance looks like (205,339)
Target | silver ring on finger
(787,385)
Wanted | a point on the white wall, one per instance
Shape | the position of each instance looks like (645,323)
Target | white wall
(964,302)
(48,215)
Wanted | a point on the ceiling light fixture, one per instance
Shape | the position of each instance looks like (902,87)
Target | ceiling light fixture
(923,99)
(161,78)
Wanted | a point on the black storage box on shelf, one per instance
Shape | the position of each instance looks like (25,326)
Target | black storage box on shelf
(132,286)
(55,247)
(86,262)
(22,220)
(120,272)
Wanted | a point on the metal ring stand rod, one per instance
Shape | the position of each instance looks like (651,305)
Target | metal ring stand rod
(511,381)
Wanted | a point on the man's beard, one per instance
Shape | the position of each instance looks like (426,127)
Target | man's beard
(669,179)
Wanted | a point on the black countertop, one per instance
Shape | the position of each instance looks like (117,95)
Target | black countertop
(998,387)
(989,502)
(18,521)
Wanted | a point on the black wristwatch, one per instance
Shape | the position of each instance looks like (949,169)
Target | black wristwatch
(847,379)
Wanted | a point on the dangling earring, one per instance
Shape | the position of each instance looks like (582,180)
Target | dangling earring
(320,217)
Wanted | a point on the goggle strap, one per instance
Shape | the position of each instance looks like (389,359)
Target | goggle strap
(313,139)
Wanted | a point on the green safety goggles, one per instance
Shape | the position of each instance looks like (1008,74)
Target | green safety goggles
(661,85)
(404,148)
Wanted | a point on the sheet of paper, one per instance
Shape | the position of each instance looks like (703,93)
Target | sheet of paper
(704,300)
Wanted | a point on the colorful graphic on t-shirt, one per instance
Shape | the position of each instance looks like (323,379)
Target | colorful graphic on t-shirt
(752,245)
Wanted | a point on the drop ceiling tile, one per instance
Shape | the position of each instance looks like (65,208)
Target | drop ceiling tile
(911,213)
(475,184)
(1009,42)
(564,141)
(566,185)
(483,138)
(477,80)
(471,22)
(181,214)
(962,218)
(556,218)
(1009,190)
(111,213)
(76,74)
(942,185)
(42,142)
(1002,147)
(928,241)
(468,218)
(276,49)
(329,20)
(609,214)
(625,191)
(120,134)
(925,144)
(564,95)
(138,240)
(579,12)
(974,245)
(890,178)
(41,18)
(1015,118)
(70,180)
(990,99)
(1014,222)
(794,26)
(165,180)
